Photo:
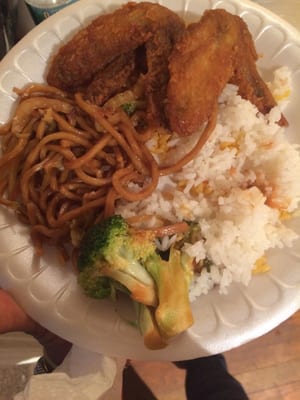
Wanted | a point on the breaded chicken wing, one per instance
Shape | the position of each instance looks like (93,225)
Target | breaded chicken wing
(102,59)
(245,75)
(108,36)
(216,50)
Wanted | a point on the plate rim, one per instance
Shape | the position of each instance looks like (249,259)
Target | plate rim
(206,347)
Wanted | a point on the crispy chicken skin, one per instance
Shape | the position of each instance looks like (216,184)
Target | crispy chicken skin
(108,36)
(212,52)
(102,59)
(245,75)
(184,69)
(117,76)
(158,50)
(200,66)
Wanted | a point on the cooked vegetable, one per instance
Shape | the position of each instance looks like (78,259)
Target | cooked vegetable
(173,314)
(149,328)
(115,256)
(129,108)
(113,250)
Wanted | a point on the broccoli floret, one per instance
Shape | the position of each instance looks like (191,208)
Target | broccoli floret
(94,286)
(113,250)
(114,255)
(129,107)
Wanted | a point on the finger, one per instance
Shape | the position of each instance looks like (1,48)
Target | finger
(12,317)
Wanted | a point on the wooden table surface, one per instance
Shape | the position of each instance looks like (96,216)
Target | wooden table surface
(268,367)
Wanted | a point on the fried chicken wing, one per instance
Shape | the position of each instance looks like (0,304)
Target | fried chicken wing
(184,69)
(212,52)
(102,59)
(200,66)
(108,36)
(251,86)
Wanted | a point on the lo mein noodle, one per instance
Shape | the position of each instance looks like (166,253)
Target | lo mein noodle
(65,162)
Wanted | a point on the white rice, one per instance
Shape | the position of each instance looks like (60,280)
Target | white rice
(250,174)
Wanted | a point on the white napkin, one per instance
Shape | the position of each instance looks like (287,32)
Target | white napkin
(83,375)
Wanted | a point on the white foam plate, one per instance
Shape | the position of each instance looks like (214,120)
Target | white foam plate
(49,293)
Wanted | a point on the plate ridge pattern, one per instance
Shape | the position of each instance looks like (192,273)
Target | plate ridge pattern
(108,334)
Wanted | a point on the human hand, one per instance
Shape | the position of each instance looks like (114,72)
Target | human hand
(14,319)
(12,316)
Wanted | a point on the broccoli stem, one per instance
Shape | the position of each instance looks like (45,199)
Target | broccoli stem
(139,291)
(173,313)
(148,328)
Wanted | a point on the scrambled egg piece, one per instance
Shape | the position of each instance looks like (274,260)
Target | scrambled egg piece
(282,95)
(261,266)
(160,141)
(195,190)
